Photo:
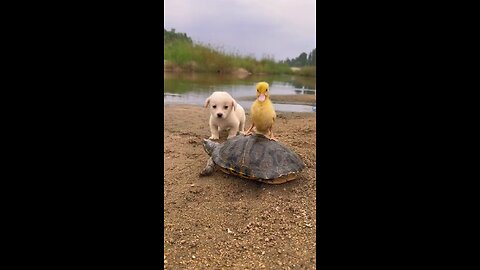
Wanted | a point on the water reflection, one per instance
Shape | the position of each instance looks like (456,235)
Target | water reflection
(194,88)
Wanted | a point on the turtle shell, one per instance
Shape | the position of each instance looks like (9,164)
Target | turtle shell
(258,158)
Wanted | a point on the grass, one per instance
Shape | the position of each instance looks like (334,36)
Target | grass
(205,58)
(310,71)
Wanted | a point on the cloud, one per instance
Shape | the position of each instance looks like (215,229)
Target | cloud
(283,28)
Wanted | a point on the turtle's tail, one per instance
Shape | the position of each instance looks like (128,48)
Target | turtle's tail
(209,146)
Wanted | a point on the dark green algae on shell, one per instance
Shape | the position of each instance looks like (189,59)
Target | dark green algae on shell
(255,157)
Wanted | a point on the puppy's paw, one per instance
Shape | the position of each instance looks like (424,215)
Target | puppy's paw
(213,137)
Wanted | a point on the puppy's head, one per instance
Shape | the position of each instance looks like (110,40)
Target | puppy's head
(220,104)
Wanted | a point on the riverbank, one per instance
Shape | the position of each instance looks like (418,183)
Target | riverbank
(240,72)
(182,54)
(221,221)
(287,99)
(186,56)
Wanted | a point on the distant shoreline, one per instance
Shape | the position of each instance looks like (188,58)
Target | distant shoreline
(287,99)
(193,67)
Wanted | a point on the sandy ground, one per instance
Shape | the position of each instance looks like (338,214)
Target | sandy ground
(224,222)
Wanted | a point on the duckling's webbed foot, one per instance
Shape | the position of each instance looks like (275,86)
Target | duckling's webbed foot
(271,136)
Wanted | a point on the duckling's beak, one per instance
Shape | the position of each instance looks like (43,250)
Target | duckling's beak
(261,98)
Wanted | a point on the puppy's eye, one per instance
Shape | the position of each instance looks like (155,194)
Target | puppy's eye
(226,107)
(214,106)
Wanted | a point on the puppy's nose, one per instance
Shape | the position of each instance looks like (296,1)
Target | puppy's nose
(219,114)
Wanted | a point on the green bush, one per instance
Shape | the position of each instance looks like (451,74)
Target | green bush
(182,53)
(205,58)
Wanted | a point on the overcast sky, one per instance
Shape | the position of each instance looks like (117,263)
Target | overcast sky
(279,28)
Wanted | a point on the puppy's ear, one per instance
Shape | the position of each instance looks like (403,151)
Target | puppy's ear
(233,104)
(207,101)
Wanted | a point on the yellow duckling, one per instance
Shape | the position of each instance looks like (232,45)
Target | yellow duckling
(263,113)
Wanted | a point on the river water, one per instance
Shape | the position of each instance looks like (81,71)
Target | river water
(188,88)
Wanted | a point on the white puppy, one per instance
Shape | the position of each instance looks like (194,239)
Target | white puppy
(225,114)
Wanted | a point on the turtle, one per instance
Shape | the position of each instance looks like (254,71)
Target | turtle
(253,157)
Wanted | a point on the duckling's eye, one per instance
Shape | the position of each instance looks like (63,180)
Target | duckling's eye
(226,107)
(266,90)
(214,106)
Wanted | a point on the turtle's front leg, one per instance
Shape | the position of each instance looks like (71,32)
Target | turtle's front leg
(209,168)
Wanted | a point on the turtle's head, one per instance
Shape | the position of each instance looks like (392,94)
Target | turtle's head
(209,146)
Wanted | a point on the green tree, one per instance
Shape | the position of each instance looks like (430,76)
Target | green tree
(302,59)
(171,36)
(314,57)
